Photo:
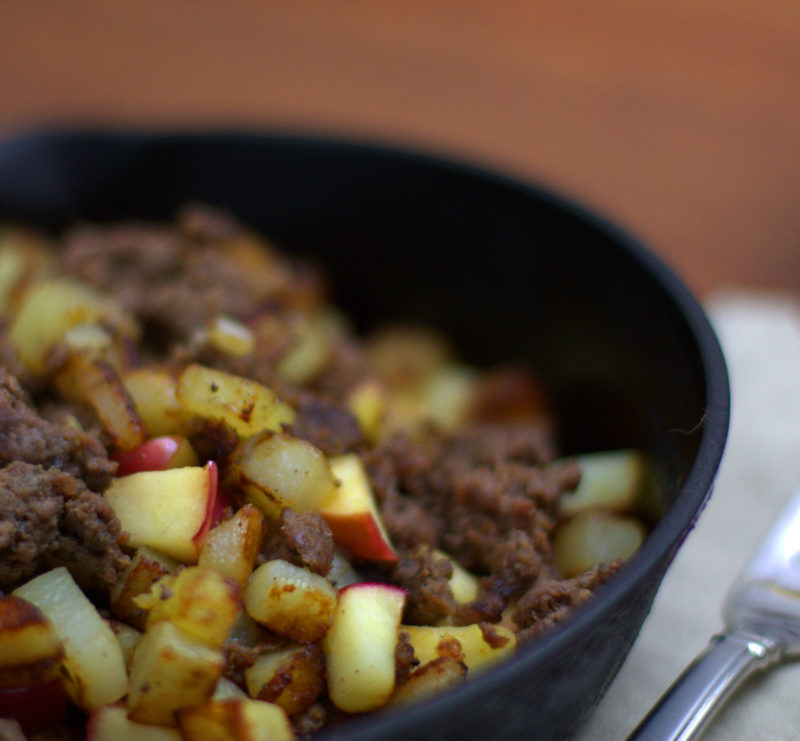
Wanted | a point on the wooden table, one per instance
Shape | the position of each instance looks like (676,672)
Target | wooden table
(681,120)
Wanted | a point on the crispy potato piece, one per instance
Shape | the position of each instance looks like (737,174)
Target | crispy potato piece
(291,600)
(170,671)
(436,676)
(235,720)
(145,569)
(30,649)
(200,602)
(478,654)
(111,723)
(94,382)
(293,677)
(276,471)
(50,308)
(232,546)
(243,404)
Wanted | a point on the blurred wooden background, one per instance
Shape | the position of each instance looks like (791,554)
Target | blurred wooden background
(681,120)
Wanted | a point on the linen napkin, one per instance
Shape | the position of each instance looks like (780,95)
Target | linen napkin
(760,336)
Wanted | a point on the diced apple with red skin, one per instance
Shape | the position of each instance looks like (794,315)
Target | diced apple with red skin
(35,708)
(291,600)
(360,646)
(156,454)
(235,720)
(93,666)
(111,723)
(231,548)
(168,510)
(352,515)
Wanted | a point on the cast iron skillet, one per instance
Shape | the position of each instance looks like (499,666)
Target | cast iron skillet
(511,273)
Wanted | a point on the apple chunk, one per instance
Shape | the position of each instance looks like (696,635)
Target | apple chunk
(352,515)
(156,454)
(360,646)
(93,666)
(36,708)
(167,510)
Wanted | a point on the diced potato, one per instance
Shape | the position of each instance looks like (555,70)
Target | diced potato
(227,690)
(232,546)
(111,723)
(430,679)
(23,257)
(405,356)
(367,403)
(278,470)
(447,395)
(49,310)
(153,392)
(202,603)
(30,649)
(170,671)
(243,404)
(145,569)
(293,677)
(615,481)
(94,382)
(291,600)
(592,538)
(96,342)
(235,720)
(93,666)
(127,636)
(477,652)
(26,635)
(230,337)
(308,354)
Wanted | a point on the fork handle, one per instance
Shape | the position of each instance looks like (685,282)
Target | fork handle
(690,703)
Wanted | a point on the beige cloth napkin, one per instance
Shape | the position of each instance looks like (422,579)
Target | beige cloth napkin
(760,335)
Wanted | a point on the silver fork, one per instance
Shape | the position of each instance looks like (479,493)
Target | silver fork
(762,626)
